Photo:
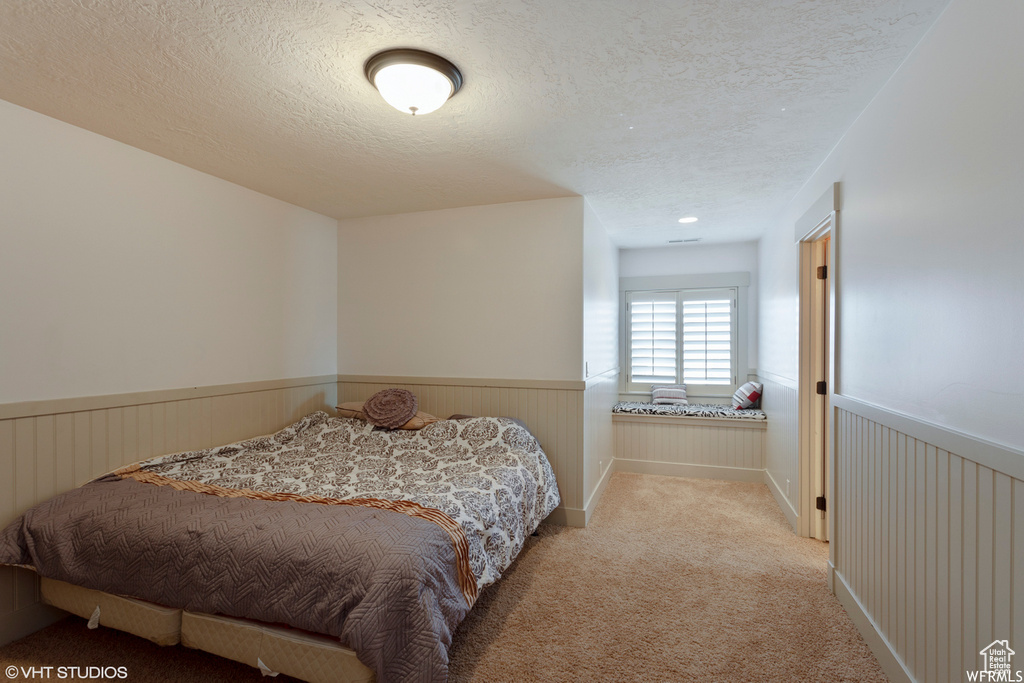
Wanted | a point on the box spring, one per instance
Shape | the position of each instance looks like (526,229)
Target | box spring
(300,654)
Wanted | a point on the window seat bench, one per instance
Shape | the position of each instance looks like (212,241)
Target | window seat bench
(697,440)
(706,410)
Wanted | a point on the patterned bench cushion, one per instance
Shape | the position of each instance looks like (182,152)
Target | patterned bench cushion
(691,410)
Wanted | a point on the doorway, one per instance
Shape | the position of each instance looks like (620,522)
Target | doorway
(817,373)
(818,344)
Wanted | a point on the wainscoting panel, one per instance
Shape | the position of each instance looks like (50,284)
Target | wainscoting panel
(782,453)
(691,447)
(44,454)
(599,397)
(554,415)
(929,544)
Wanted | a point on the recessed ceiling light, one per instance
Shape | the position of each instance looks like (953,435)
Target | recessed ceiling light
(688,219)
(413,81)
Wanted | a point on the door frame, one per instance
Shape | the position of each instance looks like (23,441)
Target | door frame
(820,221)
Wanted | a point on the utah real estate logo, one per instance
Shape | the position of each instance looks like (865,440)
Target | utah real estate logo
(997,664)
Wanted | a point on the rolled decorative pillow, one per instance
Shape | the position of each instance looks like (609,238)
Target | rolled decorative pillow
(354,409)
(390,408)
(669,394)
(747,395)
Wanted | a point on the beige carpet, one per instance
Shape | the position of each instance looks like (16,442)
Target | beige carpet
(674,580)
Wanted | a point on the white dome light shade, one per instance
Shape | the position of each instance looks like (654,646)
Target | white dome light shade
(412,88)
(412,81)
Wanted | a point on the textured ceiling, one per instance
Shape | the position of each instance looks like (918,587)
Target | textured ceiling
(651,109)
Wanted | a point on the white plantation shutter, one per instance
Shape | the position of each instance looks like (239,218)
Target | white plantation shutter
(652,337)
(683,336)
(707,337)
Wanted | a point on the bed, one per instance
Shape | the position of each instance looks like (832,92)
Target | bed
(379,540)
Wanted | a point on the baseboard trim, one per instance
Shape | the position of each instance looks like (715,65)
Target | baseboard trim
(16,625)
(563,516)
(580,518)
(595,497)
(787,508)
(675,469)
(879,645)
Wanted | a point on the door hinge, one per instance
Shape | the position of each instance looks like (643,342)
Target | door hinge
(819,503)
(821,388)
(822,272)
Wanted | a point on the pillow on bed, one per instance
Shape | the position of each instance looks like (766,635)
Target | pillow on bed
(355,409)
(747,396)
(669,394)
(390,408)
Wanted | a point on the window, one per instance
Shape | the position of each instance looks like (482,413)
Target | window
(682,336)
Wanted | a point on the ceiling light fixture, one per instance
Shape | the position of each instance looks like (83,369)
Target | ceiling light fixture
(688,219)
(413,81)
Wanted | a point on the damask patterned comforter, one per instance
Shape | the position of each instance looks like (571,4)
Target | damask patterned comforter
(381,538)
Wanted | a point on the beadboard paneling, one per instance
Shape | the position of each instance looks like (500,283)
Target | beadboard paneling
(692,447)
(555,416)
(930,544)
(782,453)
(45,454)
(599,397)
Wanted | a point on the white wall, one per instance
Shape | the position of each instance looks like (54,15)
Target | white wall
(483,291)
(690,259)
(700,259)
(601,353)
(930,348)
(929,257)
(122,271)
(600,296)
